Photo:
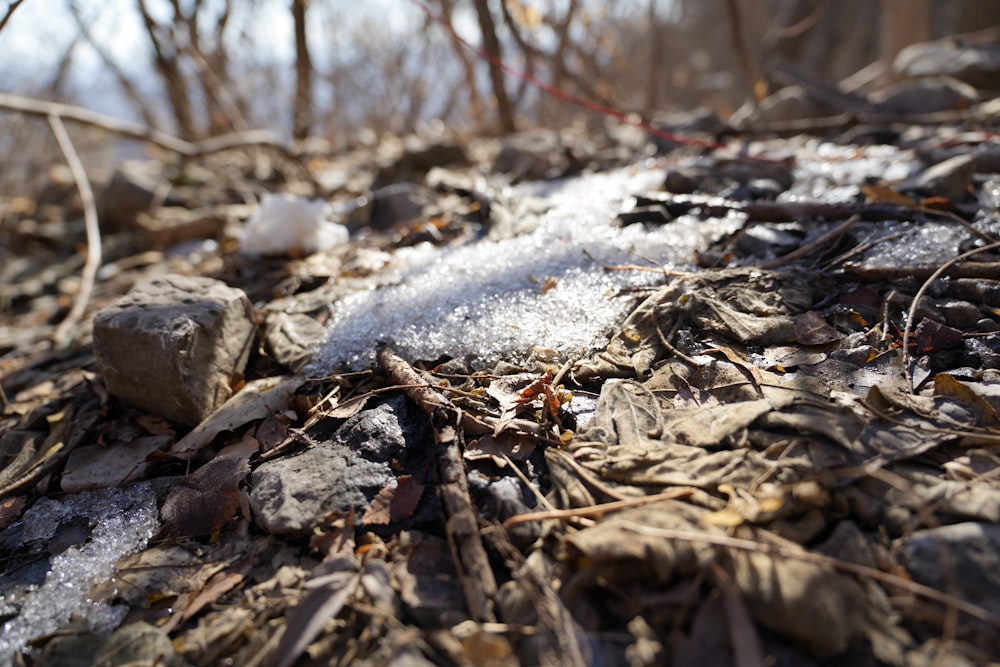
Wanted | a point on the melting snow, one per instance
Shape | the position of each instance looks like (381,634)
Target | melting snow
(484,301)
(122,520)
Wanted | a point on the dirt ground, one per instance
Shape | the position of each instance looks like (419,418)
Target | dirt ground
(782,456)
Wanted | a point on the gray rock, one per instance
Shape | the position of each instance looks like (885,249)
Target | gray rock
(129,192)
(291,338)
(173,346)
(925,96)
(975,64)
(962,559)
(950,179)
(343,470)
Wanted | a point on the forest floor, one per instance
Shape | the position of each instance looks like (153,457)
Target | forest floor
(779,450)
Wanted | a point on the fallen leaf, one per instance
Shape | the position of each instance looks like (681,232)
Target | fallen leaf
(931,336)
(257,400)
(812,329)
(10,509)
(394,503)
(335,583)
(208,499)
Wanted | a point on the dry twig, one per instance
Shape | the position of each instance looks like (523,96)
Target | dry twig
(920,294)
(169,142)
(64,330)
(461,523)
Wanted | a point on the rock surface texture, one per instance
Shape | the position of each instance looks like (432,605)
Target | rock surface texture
(173,346)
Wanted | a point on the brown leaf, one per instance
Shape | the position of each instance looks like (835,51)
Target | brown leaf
(155,425)
(883,194)
(220,584)
(332,586)
(394,503)
(931,336)
(208,499)
(812,329)
(10,509)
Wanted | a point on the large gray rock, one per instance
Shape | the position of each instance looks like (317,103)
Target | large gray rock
(173,346)
(343,470)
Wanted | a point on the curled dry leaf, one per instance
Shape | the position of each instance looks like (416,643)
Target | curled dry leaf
(208,499)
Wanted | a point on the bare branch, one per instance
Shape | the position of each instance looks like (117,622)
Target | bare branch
(136,131)
(10,11)
(63,332)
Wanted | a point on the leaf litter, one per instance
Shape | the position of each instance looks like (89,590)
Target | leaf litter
(711,461)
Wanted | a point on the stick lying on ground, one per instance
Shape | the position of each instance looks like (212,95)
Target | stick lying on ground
(461,525)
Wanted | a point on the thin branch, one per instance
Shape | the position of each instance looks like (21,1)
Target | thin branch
(63,332)
(920,294)
(10,11)
(137,131)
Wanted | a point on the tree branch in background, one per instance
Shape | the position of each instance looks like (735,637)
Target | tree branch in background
(757,83)
(128,88)
(302,112)
(64,331)
(165,61)
(475,101)
(136,131)
(491,45)
(10,12)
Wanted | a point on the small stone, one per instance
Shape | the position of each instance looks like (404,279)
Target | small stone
(959,314)
(173,346)
(950,179)
(129,192)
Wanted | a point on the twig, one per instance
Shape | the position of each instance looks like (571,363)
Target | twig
(802,251)
(169,142)
(63,331)
(461,524)
(10,11)
(920,294)
(595,510)
(989,270)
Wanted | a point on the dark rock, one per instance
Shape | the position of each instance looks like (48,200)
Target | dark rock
(417,159)
(925,96)
(959,314)
(126,195)
(173,346)
(535,155)
(343,470)
(788,104)
(397,204)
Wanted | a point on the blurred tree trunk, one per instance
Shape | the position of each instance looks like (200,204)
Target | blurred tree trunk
(904,22)
(166,60)
(468,67)
(492,47)
(302,121)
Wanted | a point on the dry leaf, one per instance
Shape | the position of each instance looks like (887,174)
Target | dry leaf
(208,499)
(812,329)
(394,503)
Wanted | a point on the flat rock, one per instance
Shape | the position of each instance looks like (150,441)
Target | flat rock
(173,346)
(99,467)
(975,64)
(342,470)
